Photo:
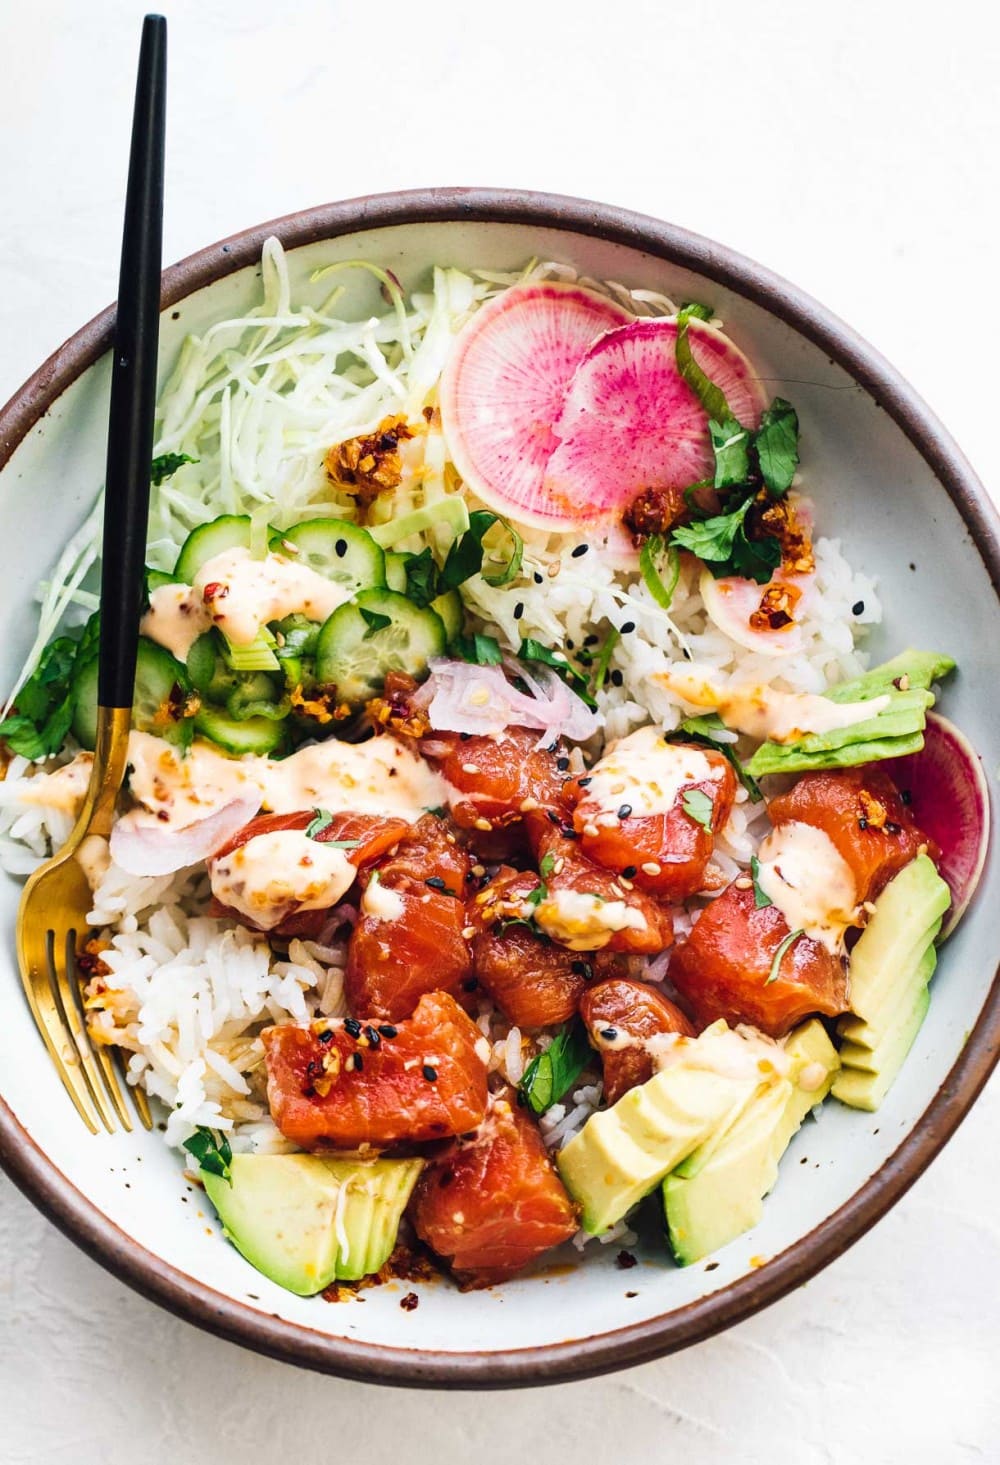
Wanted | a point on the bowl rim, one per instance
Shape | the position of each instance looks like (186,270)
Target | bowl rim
(80,1219)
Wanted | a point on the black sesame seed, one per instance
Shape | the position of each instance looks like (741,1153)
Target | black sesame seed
(627,628)
(552,816)
(341,548)
(562,764)
(519,610)
(577,968)
(583,782)
(430,1074)
(373,1037)
(464,737)
(629,872)
(311,1067)
(617,678)
(858,608)
(568,832)
(387,1030)
(862,823)
(570,645)
(539,579)
(352,1026)
(326,1036)
(359,1063)
(470,984)
(624,811)
(435,882)
(892,828)
(906,796)
(580,549)
(591,640)
(609,1033)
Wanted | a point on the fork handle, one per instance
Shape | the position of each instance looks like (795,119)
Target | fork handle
(133,378)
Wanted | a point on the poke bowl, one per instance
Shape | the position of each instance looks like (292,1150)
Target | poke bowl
(552,914)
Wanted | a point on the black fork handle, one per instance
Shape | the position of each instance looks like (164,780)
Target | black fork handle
(133,377)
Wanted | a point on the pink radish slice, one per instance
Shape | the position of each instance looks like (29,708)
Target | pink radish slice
(630,421)
(950,801)
(729,604)
(503,389)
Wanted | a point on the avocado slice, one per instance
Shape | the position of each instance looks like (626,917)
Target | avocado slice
(895,731)
(306,1221)
(623,1153)
(889,972)
(718,1193)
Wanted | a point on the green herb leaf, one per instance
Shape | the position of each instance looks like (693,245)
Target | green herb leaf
(754,559)
(789,940)
(166,465)
(777,444)
(547,864)
(694,310)
(468,555)
(211,1150)
(711,397)
(705,730)
(760,896)
(480,650)
(712,539)
(536,896)
(535,651)
(43,710)
(422,578)
(553,1073)
(322,820)
(662,590)
(731,446)
(698,806)
(375,622)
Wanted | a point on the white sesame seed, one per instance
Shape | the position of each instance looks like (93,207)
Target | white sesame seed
(743,883)
(650,868)
(528,805)
(591,830)
(472,768)
(483,824)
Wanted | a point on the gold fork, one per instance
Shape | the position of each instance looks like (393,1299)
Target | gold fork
(52,917)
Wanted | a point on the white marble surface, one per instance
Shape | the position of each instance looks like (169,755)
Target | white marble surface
(851,147)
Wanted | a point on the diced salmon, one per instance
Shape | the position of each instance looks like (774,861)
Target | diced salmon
(534,982)
(724,968)
(349,1083)
(667,853)
(409,937)
(620,1009)
(375,835)
(565,868)
(860,810)
(493,1206)
(497,780)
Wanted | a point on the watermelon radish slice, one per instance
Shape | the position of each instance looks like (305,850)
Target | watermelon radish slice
(950,801)
(503,389)
(630,421)
(729,604)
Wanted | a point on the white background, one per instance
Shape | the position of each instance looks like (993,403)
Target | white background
(850,146)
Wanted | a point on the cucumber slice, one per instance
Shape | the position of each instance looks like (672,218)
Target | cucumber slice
(228,531)
(161,688)
(202,662)
(258,735)
(342,552)
(258,695)
(378,632)
(395,570)
(452,612)
(296,635)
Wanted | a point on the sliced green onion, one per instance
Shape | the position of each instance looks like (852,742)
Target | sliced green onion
(509,567)
(260,532)
(789,940)
(661,590)
(449,512)
(604,659)
(257,656)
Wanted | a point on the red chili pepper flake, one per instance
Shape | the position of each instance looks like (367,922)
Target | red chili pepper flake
(631,1294)
(625,1261)
(216,591)
(409,1302)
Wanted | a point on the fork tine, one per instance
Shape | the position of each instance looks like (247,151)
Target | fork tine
(63,981)
(103,1062)
(110,1060)
(37,982)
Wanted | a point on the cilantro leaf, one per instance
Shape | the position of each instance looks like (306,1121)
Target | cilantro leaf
(422,577)
(322,819)
(553,1073)
(754,559)
(760,895)
(536,651)
(536,896)
(375,622)
(166,465)
(468,554)
(731,447)
(712,539)
(43,710)
(480,650)
(698,806)
(789,940)
(777,445)
(703,730)
(547,864)
(694,310)
(211,1150)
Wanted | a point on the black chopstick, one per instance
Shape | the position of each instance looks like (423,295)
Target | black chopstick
(133,377)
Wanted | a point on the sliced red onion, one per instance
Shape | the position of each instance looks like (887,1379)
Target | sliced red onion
(142,846)
(480,700)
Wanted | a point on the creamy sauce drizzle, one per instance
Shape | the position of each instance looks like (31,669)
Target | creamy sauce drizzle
(64,788)
(810,882)
(647,773)
(767,714)
(239,595)
(274,874)
(582,921)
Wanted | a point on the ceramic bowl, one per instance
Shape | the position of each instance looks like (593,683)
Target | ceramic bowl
(888,481)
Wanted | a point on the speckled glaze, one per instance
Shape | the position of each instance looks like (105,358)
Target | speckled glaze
(888,481)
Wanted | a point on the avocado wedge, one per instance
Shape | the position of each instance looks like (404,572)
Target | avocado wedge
(306,1221)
